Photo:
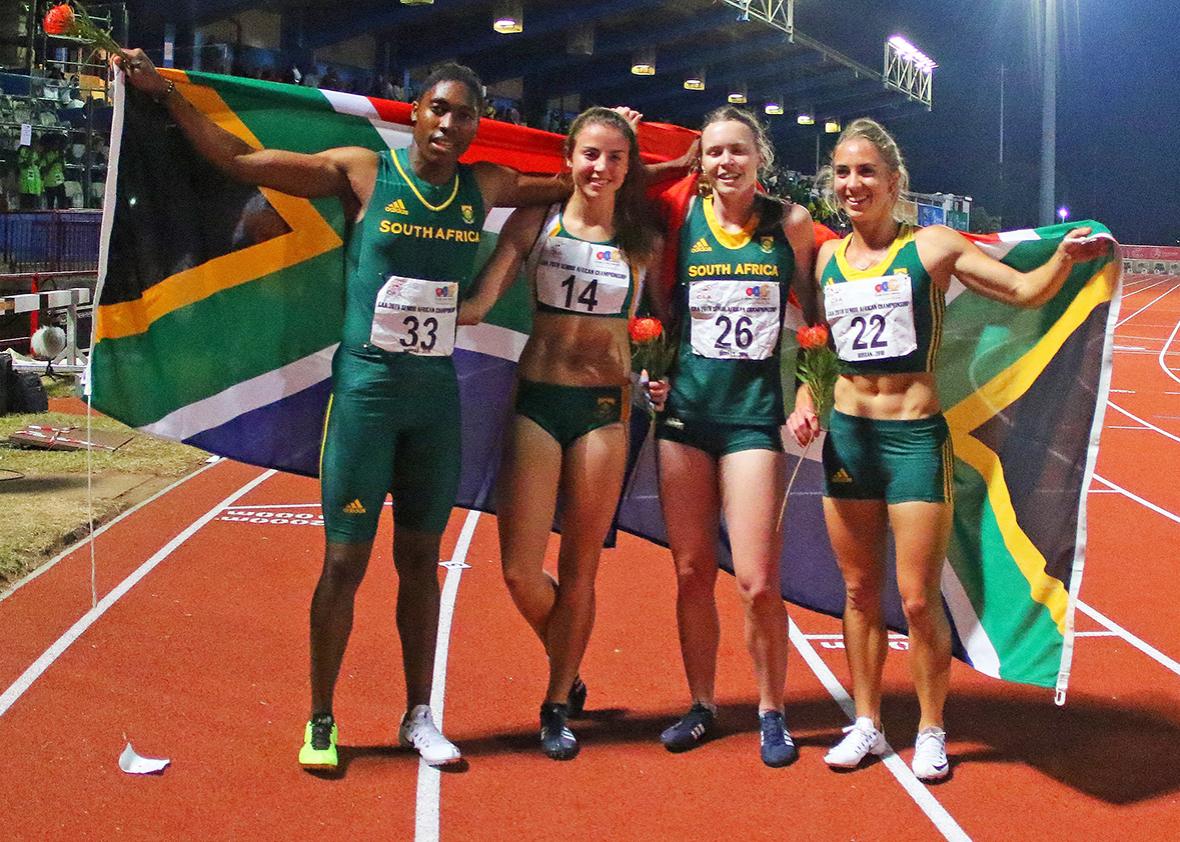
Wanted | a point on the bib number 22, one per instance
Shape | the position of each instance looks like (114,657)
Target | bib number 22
(875,325)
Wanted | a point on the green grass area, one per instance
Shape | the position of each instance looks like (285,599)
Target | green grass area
(45,492)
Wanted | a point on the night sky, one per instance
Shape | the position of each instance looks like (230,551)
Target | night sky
(1118,98)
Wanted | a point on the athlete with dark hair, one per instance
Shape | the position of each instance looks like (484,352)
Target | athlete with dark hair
(393,419)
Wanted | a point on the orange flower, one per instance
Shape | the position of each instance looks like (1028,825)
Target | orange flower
(815,336)
(59,20)
(645,330)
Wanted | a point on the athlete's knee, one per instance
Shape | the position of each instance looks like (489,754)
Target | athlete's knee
(345,565)
(759,592)
(920,610)
(862,594)
(695,577)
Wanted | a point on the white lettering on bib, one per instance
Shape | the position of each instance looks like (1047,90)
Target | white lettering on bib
(582,277)
(872,318)
(412,316)
(734,320)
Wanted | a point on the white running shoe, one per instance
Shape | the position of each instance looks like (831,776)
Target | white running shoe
(419,732)
(930,763)
(861,739)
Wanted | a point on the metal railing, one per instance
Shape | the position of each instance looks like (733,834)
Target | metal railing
(49,241)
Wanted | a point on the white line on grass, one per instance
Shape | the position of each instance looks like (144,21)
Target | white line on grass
(38,667)
(1143,646)
(930,805)
(426,811)
(82,542)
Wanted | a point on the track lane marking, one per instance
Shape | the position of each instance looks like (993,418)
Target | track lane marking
(427,805)
(1140,644)
(1123,321)
(1172,516)
(33,574)
(1139,420)
(39,666)
(938,815)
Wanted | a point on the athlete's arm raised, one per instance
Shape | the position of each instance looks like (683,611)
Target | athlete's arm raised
(348,172)
(945,252)
(516,239)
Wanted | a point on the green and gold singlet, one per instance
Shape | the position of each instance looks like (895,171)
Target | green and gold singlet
(730,296)
(886,319)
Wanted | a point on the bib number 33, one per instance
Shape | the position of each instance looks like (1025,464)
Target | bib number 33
(412,316)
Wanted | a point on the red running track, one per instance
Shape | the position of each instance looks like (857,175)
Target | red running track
(203,660)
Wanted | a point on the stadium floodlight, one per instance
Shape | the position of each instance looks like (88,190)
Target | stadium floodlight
(643,63)
(774,106)
(908,51)
(695,81)
(417,2)
(1063,212)
(508,17)
(737,95)
(805,118)
(831,126)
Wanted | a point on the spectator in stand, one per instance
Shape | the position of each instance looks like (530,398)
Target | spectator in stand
(53,172)
(31,185)
(331,81)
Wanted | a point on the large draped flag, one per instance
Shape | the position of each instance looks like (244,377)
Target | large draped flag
(220,306)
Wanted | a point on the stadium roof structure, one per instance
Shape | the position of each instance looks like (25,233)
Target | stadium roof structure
(750,44)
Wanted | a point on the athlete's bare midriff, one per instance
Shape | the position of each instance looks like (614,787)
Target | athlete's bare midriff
(575,350)
(895,397)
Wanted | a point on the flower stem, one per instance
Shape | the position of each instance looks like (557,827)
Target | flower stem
(791,484)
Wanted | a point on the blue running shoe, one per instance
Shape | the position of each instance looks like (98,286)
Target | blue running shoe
(778,749)
(557,740)
(577,702)
(691,730)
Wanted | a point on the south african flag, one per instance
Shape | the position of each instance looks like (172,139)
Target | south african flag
(220,306)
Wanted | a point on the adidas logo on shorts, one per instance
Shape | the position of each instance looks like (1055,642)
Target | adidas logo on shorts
(701,246)
(397,206)
(841,476)
(354,508)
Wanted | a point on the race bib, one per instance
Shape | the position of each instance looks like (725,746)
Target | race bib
(872,318)
(582,277)
(734,320)
(416,317)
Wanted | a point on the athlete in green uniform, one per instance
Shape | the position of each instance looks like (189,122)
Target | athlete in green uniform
(887,459)
(392,424)
(720,444)
(585,261)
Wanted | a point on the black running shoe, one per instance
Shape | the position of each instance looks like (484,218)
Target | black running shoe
(778,749)
(691,730)
(577,702)
(557,740)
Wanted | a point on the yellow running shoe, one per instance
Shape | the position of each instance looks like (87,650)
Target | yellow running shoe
(319,743)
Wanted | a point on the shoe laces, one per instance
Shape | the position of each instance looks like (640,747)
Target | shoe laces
(321,731)
(774,728)
(931,744)
(864,735)
(421,729)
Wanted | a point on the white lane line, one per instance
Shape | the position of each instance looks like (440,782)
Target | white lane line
(1123,321)
(1096,634)
(426,811)
(1157,509)
(1136,418)
(937,814)
(82,542)
(38,667)
(1123,391)
(1141,645)
(1125,427)
(1163,352)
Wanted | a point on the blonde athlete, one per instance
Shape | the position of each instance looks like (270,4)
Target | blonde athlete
(887,457)
(720,446)
(393,424)
(585,261)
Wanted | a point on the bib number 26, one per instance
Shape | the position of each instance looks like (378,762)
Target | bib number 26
(742,335)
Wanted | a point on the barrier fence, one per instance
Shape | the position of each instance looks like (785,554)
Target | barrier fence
(49,241)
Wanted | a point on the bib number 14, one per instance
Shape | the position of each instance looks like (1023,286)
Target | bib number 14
(588,297)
